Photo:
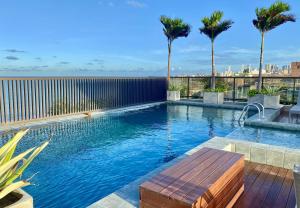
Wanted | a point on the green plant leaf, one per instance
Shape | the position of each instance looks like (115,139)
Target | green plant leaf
(5,167)
(19,172)
(12,167)
(8,173)
(11,144)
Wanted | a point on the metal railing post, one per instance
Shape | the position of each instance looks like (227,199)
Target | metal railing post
(294,90)
(188,87)
(234,90)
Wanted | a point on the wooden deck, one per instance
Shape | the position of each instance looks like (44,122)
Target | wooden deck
(267,186)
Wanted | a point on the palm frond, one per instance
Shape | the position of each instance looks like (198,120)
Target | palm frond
(223,26)
(174,28)
(278,8)
(270,18)
(213,25)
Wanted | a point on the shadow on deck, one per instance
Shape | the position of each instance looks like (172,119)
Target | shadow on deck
(267,186)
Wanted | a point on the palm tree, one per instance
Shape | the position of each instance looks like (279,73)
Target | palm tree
(266,20)
(212,27)
(173,29)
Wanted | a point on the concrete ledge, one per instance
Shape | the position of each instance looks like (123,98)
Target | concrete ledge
(268,121)
(225,105)
(113,201)
(261,153)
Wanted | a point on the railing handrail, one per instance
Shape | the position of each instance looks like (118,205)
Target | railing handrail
(238,82)
(262,107)
(254,77)
(74,77)
(246,109)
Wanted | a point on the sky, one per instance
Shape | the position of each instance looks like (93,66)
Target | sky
(125,38)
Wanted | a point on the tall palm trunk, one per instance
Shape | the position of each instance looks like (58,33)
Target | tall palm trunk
(261,62)
(213,70)
(169,59)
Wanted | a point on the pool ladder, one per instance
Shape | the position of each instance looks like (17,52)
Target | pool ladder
(260,108)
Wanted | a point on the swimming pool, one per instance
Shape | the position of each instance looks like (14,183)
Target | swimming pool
(88,159)
(290,139)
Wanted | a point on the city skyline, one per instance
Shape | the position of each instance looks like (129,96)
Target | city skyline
(76,38)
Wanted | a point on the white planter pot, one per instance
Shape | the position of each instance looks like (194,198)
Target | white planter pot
(173,95)
(267,100)
(25,201)
(213,97)
(256,99)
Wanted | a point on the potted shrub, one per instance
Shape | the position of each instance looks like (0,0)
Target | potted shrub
(173,93)
(268,96)
(214,96)
(11,168)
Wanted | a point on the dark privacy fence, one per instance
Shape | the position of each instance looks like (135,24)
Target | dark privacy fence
(23,99)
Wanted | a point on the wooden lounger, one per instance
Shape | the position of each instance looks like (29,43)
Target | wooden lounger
(208,178)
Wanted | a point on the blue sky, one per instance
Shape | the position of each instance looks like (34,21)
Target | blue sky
(124,37)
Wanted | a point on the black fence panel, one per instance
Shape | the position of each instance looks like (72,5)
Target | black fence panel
(23,99)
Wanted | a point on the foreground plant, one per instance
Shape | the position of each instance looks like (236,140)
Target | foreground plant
(12,166)
(173,29)
(212,27)
(271,91)
(174,87)
(267,19)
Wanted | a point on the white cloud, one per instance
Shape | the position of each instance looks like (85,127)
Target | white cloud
(132,3)
(106,3)
(192,49)
(240,50)
(136,4)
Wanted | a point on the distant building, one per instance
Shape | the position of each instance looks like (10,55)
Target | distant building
(268,68)
(295,69)
(272,69)
(286,70)
(228,72)
(286,67)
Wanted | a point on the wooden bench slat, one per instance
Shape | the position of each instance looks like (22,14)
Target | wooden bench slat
(227,192)
(167,177)
(205,175)
(216,180)
(208,178)
(199,171)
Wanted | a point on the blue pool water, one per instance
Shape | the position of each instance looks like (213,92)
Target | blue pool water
(88,159)
(282,138)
